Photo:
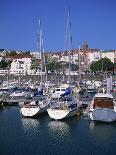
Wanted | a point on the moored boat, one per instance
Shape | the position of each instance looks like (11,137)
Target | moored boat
(103,108)
(35,107)
(64,108)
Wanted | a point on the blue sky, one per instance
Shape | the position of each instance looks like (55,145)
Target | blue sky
(93,21)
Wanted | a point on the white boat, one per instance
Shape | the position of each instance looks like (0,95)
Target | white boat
(91,89)
(40,106)
(20,93)
(66,107)
(35,107)
(59,91)
(103,108)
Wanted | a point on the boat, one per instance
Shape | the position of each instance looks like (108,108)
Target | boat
(67,105)
(103,108)
(91,89)
(57,92)
(35,107)
(40,105)
(21,93)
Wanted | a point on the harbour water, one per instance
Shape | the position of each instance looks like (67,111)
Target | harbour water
(44,136)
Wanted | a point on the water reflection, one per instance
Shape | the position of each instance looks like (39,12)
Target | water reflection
(30,124)
(59,129)
(102,131)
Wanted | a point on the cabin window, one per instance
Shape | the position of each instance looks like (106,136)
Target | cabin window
(62,89)
(57,89)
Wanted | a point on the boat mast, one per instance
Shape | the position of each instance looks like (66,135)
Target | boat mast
(39,47)
(46,77)
(69,41)
(79,64)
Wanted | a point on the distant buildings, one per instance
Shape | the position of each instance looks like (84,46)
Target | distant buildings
(83,57)
(110,55)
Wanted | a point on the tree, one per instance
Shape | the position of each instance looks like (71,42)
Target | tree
(73,67)
(54,66)
(12,53)
(103,64)
(33,64)
(4,64)
(27,52)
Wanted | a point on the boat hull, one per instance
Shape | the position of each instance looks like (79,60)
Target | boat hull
(58,114)
(33,110)
(103,115)
(30,111)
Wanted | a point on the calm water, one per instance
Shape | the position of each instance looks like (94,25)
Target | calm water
(44,136)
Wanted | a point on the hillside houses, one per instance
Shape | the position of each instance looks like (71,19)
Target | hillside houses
(109,54)
(21,64)
(83,57)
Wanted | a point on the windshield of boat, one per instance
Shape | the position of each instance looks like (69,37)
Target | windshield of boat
(41,98)
(60,90)
(65,98)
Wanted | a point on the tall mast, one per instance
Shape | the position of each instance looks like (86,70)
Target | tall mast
(39,46)
(41,51)
(79,58)
(79,64)
(46,78)
(69,39)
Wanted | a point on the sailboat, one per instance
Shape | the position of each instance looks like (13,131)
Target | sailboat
(35,107)
(103,107)
(41,104)
(66,105)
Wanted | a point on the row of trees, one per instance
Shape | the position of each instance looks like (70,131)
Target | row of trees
(14,53)
(61,66)
(104,64)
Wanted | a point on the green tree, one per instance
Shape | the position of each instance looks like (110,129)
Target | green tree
(33,64)
(27,52)
(104,64)
(12,53)
(4,64)
(54,66)
(73,67)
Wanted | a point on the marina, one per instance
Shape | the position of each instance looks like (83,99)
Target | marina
(42,134)
(58,102)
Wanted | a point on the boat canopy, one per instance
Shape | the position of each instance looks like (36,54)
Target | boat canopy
(107,95)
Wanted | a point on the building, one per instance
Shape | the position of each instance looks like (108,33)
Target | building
(21,64)
(109,54)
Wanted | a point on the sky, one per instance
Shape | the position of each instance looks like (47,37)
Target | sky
(93,21)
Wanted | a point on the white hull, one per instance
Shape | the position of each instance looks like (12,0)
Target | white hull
(58,114)
(103,115)
(30,111)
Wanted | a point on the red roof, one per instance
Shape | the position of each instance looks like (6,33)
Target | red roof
(20,56)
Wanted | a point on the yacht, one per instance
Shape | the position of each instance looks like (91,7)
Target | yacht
(67,104)
(65,107)
(103,108)
(36,107)
(57,92)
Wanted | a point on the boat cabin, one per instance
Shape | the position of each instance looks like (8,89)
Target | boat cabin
(103,102)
